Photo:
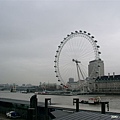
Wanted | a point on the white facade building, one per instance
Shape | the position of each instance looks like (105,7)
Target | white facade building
(108,84)
(95,69)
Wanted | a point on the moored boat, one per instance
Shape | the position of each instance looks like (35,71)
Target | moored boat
(94,101)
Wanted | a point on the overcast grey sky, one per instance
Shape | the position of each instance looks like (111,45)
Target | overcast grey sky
(31,30)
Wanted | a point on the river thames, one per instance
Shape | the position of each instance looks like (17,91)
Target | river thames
(114,100)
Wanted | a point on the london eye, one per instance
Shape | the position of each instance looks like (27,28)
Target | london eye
(73,55)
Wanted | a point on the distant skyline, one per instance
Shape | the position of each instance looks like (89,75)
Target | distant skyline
(31,30)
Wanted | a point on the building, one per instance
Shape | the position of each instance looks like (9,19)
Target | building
(77,85)
(108,84)
(95,69)
(72,85)
(71,80)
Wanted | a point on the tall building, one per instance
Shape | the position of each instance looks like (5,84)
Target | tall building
(95,69)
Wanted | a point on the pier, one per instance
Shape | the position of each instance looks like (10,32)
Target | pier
(48,110)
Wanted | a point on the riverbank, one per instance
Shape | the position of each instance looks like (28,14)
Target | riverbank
(114,100)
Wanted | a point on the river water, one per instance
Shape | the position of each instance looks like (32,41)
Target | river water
(114,100)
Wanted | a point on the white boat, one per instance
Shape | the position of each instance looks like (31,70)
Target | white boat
(93,100)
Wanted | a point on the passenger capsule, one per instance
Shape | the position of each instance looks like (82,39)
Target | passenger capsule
(95,41)
(99,52)
(88,33)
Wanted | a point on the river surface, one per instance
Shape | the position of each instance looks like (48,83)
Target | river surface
(114,100)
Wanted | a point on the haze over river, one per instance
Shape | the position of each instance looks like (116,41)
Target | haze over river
(67,101)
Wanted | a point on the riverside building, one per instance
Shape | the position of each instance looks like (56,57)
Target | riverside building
(108,84)
(97,82)
(95,70)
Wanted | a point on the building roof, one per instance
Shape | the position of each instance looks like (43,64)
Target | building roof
(108,78)
(95,61)
(83,115)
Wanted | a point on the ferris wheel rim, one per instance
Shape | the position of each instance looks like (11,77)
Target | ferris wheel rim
(84,34)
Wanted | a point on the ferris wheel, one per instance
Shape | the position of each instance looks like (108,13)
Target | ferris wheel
(73,56)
